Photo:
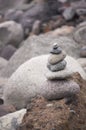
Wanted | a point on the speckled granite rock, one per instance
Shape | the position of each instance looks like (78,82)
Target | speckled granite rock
(31,75)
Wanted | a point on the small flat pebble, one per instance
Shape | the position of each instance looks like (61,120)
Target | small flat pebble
(56,49)
(57,67)
(54,58)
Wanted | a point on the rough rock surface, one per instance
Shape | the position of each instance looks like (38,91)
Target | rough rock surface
(37,45)
(59,89)
(11,121)
(26,82)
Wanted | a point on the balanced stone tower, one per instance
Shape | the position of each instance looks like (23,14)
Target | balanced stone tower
(56,60)
(58,66)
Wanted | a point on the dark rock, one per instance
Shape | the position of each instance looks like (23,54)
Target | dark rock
(57,67)
(56,49)
(7,52)
(1,101)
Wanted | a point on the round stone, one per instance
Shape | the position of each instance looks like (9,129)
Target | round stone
(59,89)
(53,58)
(57,67)
(56,49)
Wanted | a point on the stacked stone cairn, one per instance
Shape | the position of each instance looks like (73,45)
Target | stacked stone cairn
(56,60)
(60,86)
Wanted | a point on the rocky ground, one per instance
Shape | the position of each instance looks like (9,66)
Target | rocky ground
(42,65)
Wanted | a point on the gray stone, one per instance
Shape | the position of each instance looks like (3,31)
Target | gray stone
(3,63)
(57,67)
(85,69)
(80,35)
(59,89)
(81,24)
(3,81)
(62,1)
(83,51)
(56,49)
(71,67)
(37,45)
(12,121)
(14,15)
(53,58)
(69,13)
(7,51)
(10,33)
(81,12)
(36,27)
(26,81)
(7,4)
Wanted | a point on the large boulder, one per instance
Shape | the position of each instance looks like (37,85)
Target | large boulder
(36,45)
(10,33)
(11,121)
(29,78)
